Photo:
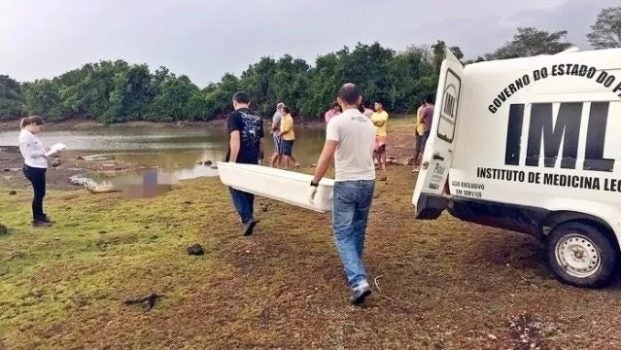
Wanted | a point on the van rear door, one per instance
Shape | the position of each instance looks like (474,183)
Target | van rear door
(428,199)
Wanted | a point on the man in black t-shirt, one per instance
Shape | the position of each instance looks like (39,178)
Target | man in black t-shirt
(245,146)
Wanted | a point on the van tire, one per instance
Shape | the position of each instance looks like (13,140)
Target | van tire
(581,255)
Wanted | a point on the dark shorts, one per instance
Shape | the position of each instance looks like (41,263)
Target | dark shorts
(425,138)
(277,144)
(287,147)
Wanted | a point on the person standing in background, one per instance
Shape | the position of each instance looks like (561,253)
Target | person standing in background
(427,118)
(349,142)
(334,110)
(35,166)
(380,120)
(276,157)
(367,111)
(287,133)
(245,146)
(419,133)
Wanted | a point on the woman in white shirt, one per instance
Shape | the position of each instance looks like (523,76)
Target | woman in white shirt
(35,166)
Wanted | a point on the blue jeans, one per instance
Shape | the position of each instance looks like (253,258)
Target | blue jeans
(351,202)
(244,204)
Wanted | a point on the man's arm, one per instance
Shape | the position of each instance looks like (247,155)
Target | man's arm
(325,159)
(234,145)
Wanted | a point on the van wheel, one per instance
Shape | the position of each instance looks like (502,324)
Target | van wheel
(581,255)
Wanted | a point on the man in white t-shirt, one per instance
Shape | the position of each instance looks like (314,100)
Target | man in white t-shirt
(350,139)
(276,157)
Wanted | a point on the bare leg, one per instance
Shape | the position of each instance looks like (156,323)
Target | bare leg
(415,161)
(383,159)
(275,158)
(295,161)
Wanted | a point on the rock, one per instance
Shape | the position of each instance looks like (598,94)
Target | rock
(205,162)
(3,230)
(55,162)
(214,167)
(187,202)
(147,301)
(17,254)
(79,158)
(6,170)
(99,157)
(12,193)
(195,249)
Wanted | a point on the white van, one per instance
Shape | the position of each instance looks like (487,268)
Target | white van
(532,145)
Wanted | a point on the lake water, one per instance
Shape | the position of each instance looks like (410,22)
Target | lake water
(174,152)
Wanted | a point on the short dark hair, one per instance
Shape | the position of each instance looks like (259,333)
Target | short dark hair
(349,93)
(286,109)
(431,99)
(241,97)
(335,104)
(35,119)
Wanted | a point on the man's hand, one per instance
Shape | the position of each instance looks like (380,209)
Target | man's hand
(311,194)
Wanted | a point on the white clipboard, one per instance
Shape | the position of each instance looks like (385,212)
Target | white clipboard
(55,148)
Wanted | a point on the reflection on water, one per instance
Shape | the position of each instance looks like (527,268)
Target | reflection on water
(172,154)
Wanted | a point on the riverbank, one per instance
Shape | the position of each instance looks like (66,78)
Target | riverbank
(82,124)
(62,168)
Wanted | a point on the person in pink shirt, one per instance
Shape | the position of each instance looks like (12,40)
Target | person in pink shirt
(335,110)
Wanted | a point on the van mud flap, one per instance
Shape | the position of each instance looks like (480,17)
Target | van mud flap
(430,207)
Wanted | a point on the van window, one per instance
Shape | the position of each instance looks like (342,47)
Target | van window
(448,108)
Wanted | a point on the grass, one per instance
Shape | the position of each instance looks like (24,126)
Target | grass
(438,284)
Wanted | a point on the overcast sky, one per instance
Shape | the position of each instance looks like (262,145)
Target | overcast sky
(205,39)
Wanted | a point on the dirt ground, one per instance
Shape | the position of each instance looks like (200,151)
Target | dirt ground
(441,284)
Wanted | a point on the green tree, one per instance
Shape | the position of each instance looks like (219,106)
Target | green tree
(11,98)
(42,97)
(531,42)
(171,104)
(607,29)
(415,77)
(325,80)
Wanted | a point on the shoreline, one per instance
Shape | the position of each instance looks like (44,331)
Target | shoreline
(82,124)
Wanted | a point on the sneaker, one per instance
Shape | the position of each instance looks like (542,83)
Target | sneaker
(249,227)
(47,219)
(360,292)
(41,223)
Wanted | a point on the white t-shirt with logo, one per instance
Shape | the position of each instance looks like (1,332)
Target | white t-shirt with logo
(355,133)
(32,150)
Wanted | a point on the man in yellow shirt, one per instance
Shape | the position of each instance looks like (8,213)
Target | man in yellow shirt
(420,132)
(288,135)
(380,120)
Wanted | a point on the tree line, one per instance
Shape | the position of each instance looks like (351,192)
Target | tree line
(116,91)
